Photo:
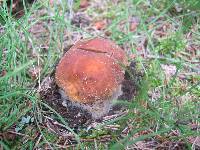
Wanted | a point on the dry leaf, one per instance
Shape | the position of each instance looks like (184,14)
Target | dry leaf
(100,25)
(3,73)
(132,56)
(84,3)
(134,24)
(34,72)
(169,71)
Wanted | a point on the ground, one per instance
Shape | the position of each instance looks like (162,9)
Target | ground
(159,107)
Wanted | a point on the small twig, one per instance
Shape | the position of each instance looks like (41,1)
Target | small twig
(38,141)
(65,146)
(21,134)
(106,118)
(195,142)
(172,60)
(104,138)
(112,127)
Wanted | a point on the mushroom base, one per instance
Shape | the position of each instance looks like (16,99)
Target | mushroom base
(96,109)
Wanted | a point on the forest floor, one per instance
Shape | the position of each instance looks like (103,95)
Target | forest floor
(160,104)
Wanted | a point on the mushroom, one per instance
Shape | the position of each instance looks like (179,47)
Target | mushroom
(90,75)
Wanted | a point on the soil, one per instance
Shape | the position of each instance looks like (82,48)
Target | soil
(76,117)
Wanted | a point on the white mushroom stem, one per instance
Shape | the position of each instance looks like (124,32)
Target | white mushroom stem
(96,109)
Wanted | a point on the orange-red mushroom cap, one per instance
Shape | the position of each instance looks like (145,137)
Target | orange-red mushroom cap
(91,71)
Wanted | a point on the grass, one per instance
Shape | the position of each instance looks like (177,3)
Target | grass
(162,111)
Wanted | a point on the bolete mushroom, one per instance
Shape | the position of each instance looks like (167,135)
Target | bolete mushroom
(90,74)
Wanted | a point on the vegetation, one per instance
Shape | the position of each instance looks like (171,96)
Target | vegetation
(161,37)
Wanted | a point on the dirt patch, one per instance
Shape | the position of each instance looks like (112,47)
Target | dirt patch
(77,117)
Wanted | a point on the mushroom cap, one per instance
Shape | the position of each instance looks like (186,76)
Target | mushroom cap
(90,70)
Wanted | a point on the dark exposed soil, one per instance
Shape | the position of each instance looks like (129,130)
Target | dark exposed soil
(77,117)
